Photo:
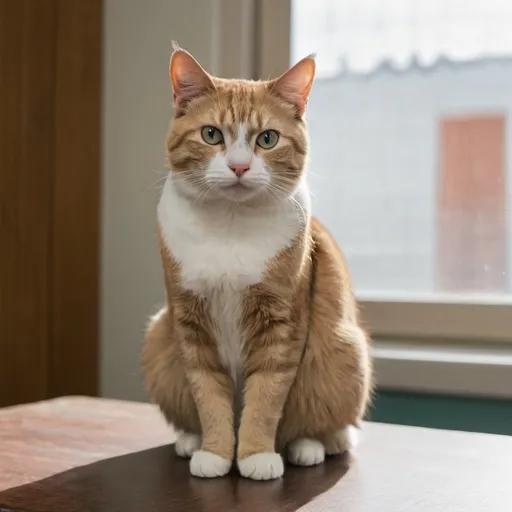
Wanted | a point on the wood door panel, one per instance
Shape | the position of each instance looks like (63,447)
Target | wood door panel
(49,197)
(76,201)
(26,162)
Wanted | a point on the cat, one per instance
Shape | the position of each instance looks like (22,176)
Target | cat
(259,350)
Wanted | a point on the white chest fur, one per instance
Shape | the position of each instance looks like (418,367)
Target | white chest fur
(222,250)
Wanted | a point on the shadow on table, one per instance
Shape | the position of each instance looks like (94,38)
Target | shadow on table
(156,480)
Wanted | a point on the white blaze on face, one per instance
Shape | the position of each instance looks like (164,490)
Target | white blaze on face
(239,151)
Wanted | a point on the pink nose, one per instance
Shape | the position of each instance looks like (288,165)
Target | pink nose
(239,169)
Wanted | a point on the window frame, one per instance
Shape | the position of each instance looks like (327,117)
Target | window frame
(476,321)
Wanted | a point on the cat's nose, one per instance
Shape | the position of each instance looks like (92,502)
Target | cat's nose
(239,169)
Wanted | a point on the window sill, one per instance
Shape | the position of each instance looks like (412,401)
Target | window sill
(444,368)
(477,319)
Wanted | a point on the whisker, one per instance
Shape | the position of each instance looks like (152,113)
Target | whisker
(280,192)
(316,175)
(154,185)
(206,191)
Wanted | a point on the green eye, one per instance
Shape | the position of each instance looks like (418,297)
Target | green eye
(211,135)
(267,139)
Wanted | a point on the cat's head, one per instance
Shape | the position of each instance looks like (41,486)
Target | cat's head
(237,140)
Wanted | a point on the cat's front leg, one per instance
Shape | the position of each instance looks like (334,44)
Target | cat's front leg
(212,390)
(271,364)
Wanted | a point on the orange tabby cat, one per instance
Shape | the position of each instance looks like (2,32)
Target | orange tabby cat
(258,350)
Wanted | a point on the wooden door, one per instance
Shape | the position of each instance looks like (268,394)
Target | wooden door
(50,63)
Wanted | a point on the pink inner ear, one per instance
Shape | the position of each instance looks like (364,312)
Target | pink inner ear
(294,85)
(188,78)
(186,91)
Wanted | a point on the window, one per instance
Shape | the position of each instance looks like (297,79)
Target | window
(411,154)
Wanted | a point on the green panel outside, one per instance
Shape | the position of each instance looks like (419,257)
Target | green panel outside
(443,412)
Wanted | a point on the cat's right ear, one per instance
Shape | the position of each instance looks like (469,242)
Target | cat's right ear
(188,79)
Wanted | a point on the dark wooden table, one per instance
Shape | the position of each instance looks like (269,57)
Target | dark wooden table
(93,455)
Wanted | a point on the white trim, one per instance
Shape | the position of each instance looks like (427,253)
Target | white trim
(216,30)
(490,299)
(445,369)
(273,41)
(485,321)
(233,38)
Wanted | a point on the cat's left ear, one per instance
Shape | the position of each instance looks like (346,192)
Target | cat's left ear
(188,78)
(294,85)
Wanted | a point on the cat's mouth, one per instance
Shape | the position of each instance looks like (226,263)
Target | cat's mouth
(238,185)
(238,191)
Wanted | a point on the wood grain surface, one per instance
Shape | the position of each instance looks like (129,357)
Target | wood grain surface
(41,439)
(107,458)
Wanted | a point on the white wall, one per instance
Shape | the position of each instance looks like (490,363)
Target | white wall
(136,112)
(374,164)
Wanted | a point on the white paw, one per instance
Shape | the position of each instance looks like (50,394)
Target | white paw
(306,452)
(262,466)
(209,465)
(346,439)
(187,444)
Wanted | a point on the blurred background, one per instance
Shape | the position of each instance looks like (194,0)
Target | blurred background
(410,169)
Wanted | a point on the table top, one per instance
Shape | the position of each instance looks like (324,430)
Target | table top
(96,455)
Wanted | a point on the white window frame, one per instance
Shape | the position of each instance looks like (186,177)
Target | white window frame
(445,345)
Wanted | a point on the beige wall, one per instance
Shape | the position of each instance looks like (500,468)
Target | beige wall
(136,109)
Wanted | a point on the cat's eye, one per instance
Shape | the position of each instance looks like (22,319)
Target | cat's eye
(211,135)
(267,139)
